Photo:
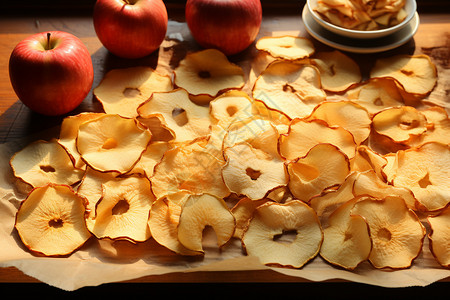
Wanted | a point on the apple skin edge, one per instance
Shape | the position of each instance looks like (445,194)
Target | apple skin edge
(51,81)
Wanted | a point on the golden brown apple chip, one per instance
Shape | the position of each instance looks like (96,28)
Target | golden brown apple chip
(230,107)
(151,156)
(121,91)
(199,211)
(287,235)
(367,159)
(69,132)
(252,172)
(163,222)
(439,236)
(337,71)
(438,127)
(396,232)
(346,241)
(416,74)
(123,210)
(305,134)
(376,94)
(286,47)
(112,143)
(42,162)
(185,119)
(425,171)
(347,114)
(322,167)
(207,73)
(289,87)
(242,212)
(50,221)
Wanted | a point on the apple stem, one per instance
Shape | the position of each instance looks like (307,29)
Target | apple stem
(48,41)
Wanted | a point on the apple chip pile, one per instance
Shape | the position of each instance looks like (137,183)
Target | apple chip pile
(311,160)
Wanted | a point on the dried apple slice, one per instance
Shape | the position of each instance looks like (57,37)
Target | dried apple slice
(367,159)
(305,134)
(242,212)
(438,236)
(199,211)
(42,162)
(207,73)
(349,115)
(416,74)
(346,241)
(286,47)
(425,171)
(287,235)
(322,167)
(151,156)
(121,91)
(289,87)
(163,222)
(50,221)
(252,172)
(123,210)
(338,71)
(112,143)
(177,112)
(232,106)
(396,232)
(438,127)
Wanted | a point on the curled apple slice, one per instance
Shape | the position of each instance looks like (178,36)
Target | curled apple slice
(177,112)
(199,211)
(438,236)
(287,235)
(112,143)
(242,212)
(322,167)
(367,159)
(151,156)
(230,107)
(50,221)
(286,47)
(290,87)
(438,127)
(121,91)
(42,162)
(252,172)
(346,241)
(396,232)
(207,73)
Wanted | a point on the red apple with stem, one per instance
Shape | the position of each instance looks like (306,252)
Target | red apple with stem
(130,28)
(51,72)
(227,25)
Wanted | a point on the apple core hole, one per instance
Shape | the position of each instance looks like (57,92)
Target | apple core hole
(286,236)
(407,72)
(425,181)
(252,173)
(232,110)
(47,169)
(204,74)
(121,207)
(347,236)
(408,124)
(179,115)
(110,143)
(56,223)
(306,172)
(378,102)
(384,234)
(288,88)
(131,92)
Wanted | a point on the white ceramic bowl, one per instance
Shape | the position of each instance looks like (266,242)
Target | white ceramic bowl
(410,7)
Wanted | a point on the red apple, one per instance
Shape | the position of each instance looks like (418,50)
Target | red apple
(130,28)
(51,72)
(227,25)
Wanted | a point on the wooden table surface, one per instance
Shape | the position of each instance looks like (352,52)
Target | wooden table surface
(18,122)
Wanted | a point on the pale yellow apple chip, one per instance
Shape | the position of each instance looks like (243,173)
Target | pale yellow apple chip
(416,74)
(242,212)
(438,127)
(163,222)
(50,221)
(425,171)
(69,132)
(185,119)
(200,211)
(287,235)
(151,156)
(396,232)
(347,114)
(338,71)
(367,159)
(304,134)
(289,87)
(207,73)
(121,91)
(112,143)
(439,236)
(42,162)
(286,47)
(376,94)
(346,241)
(123,210)
(230,107)
(252,172)
(322,167)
